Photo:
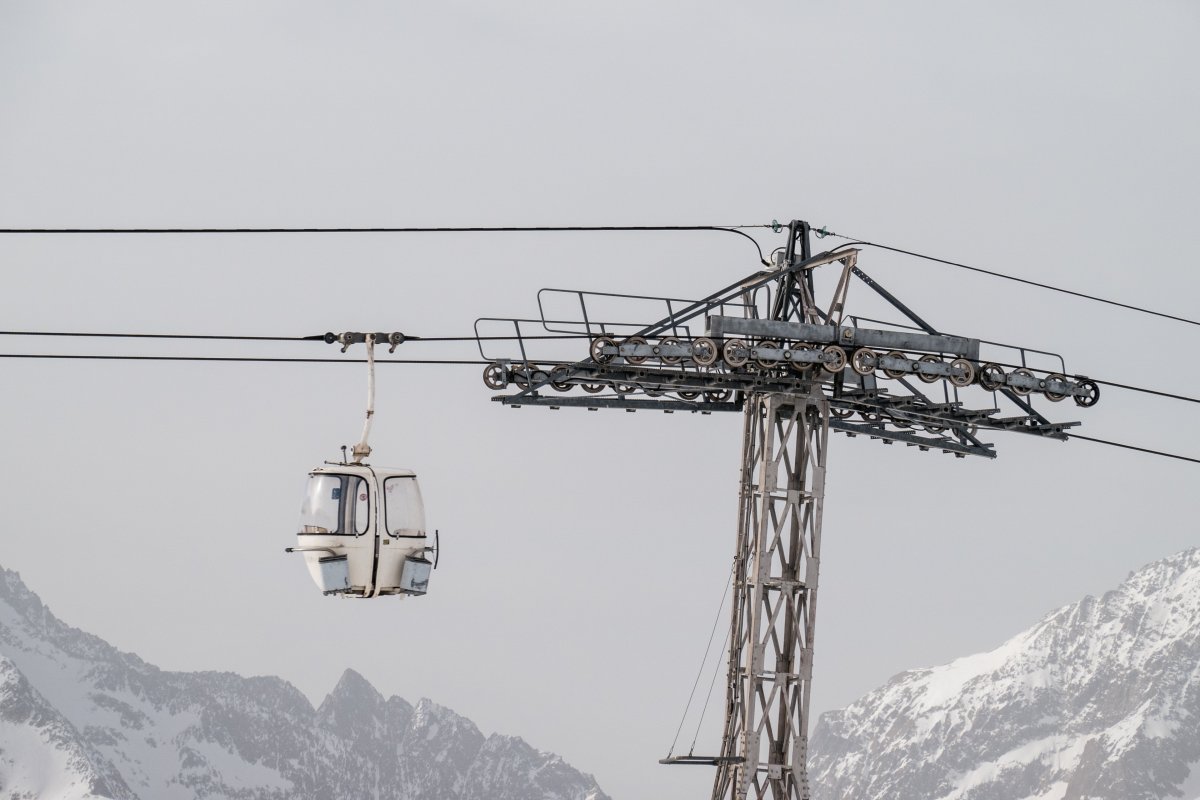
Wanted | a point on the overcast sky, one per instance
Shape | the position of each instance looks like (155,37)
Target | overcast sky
(584,553)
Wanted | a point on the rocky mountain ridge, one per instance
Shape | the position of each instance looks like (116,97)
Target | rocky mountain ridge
(1099,700)
(81,720)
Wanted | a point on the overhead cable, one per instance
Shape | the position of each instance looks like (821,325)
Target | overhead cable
(410,338)
(315,338)
(700,672)
(1148,391)
(1005,276)
(242,359)
(166,336)
(735,229)
(473,362)
(1133,447)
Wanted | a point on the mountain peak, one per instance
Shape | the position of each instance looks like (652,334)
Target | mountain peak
(80,720)
(1100,699)
(352,687)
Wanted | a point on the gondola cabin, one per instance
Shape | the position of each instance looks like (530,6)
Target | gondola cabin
(362,531)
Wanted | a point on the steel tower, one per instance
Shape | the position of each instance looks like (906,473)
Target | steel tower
(797,369)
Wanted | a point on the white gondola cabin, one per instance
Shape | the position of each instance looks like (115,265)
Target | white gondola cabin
(362,528)
(362,531)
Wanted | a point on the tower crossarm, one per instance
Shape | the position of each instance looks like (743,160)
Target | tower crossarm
(843,335)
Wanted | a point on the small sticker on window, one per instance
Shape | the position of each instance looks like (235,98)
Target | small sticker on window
(363,497)
(337,493)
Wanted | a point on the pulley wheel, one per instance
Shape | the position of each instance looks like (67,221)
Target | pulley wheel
(524,374)
(841,413)
(736,353)
(991,377)
(654,391)
(672,342)
(495,377)
(687,394)
(767,363)
(625,388)
(1093,393)
(557,376)
(896,373)
(864,361)
(837,360)
(929,359)
(718,395)
(800,367)
(598,345)
(1023,390)
(962,372)
(704,351)
(593,388)
(1054,397)
(636,340)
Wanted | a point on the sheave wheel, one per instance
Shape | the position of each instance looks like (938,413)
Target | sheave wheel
(864,361)
(556,378)
(1023,390)
(837,362)
(991,377)
(929,359)
(766,363)
(495,377)
(736,353)
(895,373)
(635,359)
(672,342)
(962,372)
(704,351)
(1054,397)
(800,367)
(598,345)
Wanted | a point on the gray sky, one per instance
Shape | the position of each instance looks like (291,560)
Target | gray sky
(584,553)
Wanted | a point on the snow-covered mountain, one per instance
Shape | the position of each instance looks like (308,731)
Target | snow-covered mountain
(1099,700)
(81,720)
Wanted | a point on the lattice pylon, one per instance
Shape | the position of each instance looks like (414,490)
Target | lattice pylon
(765,744)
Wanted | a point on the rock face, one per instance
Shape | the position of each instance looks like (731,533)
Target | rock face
(81,720)
(1099,700)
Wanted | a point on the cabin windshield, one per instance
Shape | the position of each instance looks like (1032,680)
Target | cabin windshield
(405,511)
(335,504)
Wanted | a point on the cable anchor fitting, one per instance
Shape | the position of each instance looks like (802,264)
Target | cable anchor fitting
(395,339)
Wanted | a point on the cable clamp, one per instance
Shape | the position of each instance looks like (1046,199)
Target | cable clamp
(395,339)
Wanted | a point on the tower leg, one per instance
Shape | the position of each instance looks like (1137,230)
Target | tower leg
(765,745)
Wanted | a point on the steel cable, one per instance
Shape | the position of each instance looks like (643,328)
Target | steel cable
(734,229)
(700,672)
(1005,276)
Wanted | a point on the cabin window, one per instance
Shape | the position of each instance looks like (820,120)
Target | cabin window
(336,504)
(405,512)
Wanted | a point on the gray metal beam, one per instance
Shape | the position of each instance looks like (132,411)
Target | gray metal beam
(845,336)
(631,403)
(924,442)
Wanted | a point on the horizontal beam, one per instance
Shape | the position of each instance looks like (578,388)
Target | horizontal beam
(924,442)
(719,327)
(630,403)
(706,761)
